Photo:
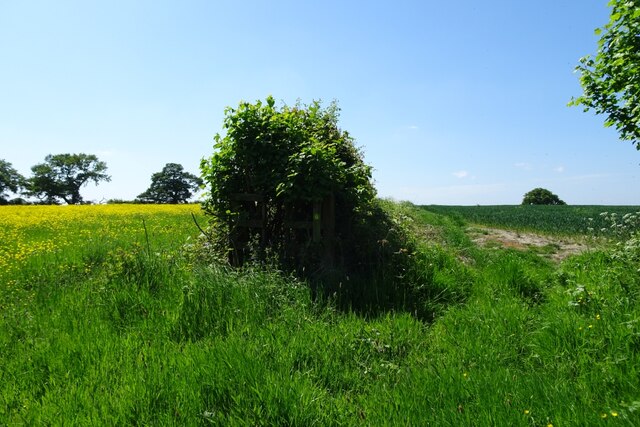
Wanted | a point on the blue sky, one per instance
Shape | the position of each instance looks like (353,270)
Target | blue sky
(452,102)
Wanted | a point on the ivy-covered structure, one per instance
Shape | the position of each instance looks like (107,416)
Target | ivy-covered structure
(286,182)
(288,186)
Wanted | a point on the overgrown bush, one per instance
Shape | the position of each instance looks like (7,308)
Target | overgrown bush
(285,160)
(289,157)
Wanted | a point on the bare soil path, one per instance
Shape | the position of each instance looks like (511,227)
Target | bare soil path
(553,247)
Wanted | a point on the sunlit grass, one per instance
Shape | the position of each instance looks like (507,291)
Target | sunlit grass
(101,328)
(38,233)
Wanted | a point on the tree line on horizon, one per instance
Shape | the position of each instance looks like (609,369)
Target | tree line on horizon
(60,177)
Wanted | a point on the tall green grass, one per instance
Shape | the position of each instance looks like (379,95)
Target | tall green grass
(154,337)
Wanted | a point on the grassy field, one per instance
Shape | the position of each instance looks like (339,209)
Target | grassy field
(107,319)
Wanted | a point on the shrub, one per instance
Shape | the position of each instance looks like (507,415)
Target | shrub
(541,196)
(283,161)
(288,158)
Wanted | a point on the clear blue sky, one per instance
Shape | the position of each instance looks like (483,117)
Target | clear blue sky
(452,102)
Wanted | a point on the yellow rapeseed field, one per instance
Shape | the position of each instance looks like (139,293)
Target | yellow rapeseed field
(29,232)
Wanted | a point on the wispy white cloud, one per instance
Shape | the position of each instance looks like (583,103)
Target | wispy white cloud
(559,169)
(461,174)
(413,127)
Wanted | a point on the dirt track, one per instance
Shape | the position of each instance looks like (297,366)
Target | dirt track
(552,247)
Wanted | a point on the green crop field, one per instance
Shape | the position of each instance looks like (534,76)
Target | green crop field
(568,220)
(108,318)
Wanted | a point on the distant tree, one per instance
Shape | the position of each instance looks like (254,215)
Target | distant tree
(171,185)
(120,202)
(10,180)
(541,196)
(19,201)
(61,176)
(611,80)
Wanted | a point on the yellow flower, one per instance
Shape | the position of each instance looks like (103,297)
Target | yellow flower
(590,326)
(465,375)
(526,412)
(603,415)
(597,317)
(614,414)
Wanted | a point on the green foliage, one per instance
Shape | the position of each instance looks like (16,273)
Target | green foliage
(610,80)
(61,176)
(619,226)
(558,220)
(10,180)
(541,196)
(287,155)
(132,336)
(212,297)
(624,231)
(120,202)
(292,157)
(389,268)
(171,185)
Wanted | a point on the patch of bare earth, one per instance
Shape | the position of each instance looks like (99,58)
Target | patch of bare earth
(555,248)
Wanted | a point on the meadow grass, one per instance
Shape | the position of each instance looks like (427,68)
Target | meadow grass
(104,329)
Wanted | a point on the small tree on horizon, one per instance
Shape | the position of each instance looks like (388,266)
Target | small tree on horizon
(172,185)
(541,196)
